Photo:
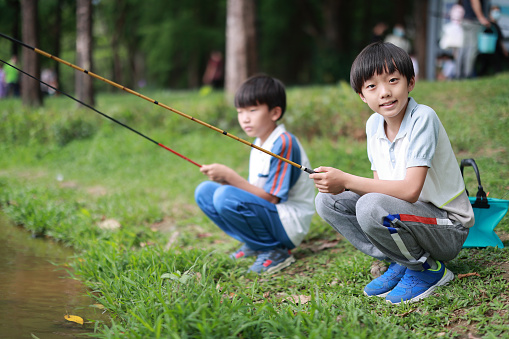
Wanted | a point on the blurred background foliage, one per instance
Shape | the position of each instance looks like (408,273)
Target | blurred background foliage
(166,43)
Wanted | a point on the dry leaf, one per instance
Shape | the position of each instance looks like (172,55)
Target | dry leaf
(74,318)
(406,313)
(466,275)
(299,299)
(148,243)
(377,268)
(99,306)
(266,295)
(109,224)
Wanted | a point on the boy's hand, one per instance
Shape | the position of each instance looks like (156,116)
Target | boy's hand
(217,172)
(329,180)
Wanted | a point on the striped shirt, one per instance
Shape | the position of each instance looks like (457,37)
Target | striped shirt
(291,185)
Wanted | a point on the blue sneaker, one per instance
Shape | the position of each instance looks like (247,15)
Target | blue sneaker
(382,285)
(417,285)
(242,252)
(272,261)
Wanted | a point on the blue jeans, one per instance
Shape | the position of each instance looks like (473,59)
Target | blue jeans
(243,216)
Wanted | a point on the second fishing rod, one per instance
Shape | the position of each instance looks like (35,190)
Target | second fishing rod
(50,56)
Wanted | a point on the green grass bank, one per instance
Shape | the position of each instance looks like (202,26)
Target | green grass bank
(68,173)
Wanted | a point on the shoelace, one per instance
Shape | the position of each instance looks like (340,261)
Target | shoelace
(409,280)
(390,273)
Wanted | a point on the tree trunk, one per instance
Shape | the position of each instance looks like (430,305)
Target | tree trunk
(240,43)
(57,37)
(420,19)
(30,88)
(121,13)
(84,83)
(14,29)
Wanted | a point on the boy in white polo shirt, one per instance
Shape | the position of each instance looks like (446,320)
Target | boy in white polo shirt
(414,213)
(271,211)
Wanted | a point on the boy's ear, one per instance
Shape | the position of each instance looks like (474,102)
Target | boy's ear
(411,84)
(275,113)
(362,97)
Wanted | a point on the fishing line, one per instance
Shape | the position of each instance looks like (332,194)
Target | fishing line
(104,115)
(41,52)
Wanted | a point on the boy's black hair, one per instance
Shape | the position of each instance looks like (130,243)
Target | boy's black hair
(377,58)
(261,89)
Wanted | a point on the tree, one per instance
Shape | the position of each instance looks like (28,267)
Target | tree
(30,89)
(240,43)
(84,84)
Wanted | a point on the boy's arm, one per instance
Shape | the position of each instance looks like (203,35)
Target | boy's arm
(334,181)
(225,175)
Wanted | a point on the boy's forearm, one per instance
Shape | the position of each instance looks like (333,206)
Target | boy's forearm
(408,189)
(399,189)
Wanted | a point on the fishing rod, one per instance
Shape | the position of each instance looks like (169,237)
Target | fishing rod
(41,52)
(104,115)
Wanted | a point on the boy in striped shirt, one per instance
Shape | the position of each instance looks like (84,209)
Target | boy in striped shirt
(270,212)
(414,212)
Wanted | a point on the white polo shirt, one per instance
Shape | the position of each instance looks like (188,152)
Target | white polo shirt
(290,184)
(421,141)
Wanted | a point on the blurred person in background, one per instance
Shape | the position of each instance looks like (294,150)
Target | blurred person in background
(398,38)
(472,24)
(12,77)
(494,60)
(3,89)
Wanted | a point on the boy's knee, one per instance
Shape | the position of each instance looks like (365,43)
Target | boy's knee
(202,189)
(320,201)
(224,198)
(370,210)
(342,203)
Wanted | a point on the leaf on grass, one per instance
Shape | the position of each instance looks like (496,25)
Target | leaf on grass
(315,248)
(204,235)
(99,306)
(299,299)
(466,275)
(109,224)
(74,318)
(85,212)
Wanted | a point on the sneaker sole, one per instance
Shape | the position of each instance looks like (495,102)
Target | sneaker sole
(290,260)
(383,295)
(448,277)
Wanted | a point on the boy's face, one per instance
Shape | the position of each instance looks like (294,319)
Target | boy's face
(387,94)
(258,121)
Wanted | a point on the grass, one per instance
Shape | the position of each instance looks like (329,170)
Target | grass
(166,273)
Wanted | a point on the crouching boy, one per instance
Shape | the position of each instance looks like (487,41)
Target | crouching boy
(414,212)
(270,213)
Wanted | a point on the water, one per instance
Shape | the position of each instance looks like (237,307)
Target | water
(35,294)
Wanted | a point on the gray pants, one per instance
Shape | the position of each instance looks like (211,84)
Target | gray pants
(466,56)
(387,228)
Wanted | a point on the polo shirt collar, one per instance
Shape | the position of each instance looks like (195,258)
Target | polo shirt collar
(280,129)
